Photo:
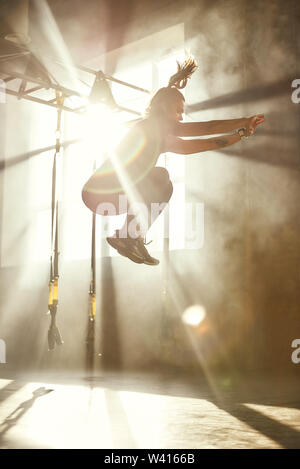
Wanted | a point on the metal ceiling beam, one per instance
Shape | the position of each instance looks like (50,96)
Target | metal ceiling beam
(44,84)
(53,103)
(25,94)
(110,78)
(31,90)
(40,101)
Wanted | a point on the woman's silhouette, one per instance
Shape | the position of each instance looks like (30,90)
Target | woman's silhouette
(131,170)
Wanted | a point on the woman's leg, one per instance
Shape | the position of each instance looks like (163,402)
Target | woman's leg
(108,204)
(154,191)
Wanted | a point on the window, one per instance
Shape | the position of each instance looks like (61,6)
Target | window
(149,72)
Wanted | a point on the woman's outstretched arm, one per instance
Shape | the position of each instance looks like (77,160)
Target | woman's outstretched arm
(188,147)
(197,129)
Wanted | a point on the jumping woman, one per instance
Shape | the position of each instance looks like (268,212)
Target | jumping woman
(131,172)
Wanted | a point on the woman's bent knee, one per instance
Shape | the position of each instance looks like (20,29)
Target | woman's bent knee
(170,190)
(161,173)
(85,197)
(106,205)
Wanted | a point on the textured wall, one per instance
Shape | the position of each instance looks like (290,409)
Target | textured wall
(251,190)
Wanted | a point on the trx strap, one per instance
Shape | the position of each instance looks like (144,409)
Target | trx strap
(90,339)
(54,336)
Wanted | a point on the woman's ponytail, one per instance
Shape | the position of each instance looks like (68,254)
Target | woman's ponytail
(184,72)
(176,82)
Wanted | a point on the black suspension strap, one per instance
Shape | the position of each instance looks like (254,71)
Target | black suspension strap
(90,339)
(54,337)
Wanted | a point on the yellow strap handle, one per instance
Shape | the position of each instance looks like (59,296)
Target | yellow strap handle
(55,291)
(60,98)
(92,306)
(50,299)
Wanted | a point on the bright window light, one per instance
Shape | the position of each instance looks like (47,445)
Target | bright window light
(101,130)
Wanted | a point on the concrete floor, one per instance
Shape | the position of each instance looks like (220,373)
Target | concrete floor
(126,410)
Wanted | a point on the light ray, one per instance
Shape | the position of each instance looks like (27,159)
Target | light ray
(47,24)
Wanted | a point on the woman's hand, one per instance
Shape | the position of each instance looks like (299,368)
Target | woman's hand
(252,122)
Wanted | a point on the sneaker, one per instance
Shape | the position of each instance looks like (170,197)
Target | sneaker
(142,251)
(134,249)
(126,248)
